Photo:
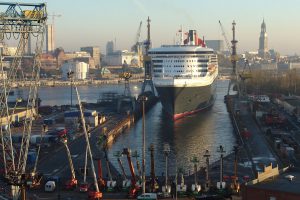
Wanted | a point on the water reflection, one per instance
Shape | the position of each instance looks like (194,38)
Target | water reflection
(187,137)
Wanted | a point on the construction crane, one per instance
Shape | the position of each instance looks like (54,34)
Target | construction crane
(35,178)
(83,187)
(111,184)
(134,188)
(225,37)
(101,181)
(166,189)
(126,183)
(25,20)
(153,183)
(136,44)
(53,17)
(71,183)
(138,166)
(94,192)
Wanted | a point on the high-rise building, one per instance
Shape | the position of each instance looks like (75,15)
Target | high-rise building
(263,41)
(49,38)
(216,45)
(94,52)
(109,47)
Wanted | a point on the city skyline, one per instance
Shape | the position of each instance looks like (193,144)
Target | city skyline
(96,22)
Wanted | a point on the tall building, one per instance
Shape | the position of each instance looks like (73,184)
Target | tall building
(263,41)
(109,47)
(216,45)
(49,38)
(94,52)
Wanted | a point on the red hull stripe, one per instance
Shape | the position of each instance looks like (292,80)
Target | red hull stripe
(182,115)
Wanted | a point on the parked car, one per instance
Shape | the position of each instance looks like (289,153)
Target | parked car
(147,196)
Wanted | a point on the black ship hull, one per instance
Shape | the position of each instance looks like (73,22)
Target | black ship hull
(186,100)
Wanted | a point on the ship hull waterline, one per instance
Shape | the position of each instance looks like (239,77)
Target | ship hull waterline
(179,102)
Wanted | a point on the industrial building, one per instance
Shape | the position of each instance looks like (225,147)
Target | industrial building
(18,115)
(216,45)
(94,52)
(80,70)
(119,58)
(90,116)
(109,47)
(273,184)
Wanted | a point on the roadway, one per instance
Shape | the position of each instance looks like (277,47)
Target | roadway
(262,155)
(54,162)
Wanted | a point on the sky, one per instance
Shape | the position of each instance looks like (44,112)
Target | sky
(94,22)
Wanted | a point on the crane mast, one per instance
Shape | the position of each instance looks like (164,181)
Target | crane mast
(73,182)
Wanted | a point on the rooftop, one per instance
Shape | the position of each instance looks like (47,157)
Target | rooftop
(282,183)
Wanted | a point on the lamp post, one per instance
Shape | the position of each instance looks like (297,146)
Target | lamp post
(143,99)
(70,76)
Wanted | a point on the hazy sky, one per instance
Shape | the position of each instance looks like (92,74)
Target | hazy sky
(94,22)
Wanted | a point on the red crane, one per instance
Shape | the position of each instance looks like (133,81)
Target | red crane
(134,188)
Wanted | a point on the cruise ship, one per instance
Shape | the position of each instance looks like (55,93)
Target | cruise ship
(185,76)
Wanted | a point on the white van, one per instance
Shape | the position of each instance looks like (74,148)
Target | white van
(147,196)
(50,186)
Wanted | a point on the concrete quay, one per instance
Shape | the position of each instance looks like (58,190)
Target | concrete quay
(57,83)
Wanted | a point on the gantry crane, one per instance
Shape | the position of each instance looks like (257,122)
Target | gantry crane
(134,188)
(18,23)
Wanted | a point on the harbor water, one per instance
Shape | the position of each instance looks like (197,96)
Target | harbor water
(187,137)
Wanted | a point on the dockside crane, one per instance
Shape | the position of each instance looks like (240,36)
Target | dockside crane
(71,183)
(137,46)
(137,38)
(24,20)
(138,166)
(225,37)
(83,187)
(153,183)
(111,184)
(134,188)
(166,189)
(126,183)
(94,192)
(35,178)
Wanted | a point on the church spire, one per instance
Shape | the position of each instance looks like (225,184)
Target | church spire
(263,40)
(263,27)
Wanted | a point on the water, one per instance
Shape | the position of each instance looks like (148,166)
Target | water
(187,137)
